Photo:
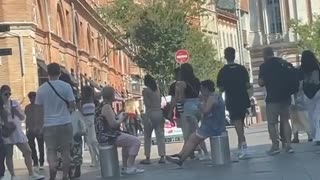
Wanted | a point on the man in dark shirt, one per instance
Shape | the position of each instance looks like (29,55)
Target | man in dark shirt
(34,124)
(277,100)
(233,79)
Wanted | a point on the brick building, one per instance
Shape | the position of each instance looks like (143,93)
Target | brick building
(68,32)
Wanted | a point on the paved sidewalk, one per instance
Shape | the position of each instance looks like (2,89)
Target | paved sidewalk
(302,165)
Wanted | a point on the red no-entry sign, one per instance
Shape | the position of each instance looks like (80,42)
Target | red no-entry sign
(182,56)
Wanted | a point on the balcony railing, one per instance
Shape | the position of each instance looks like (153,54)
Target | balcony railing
(275,38)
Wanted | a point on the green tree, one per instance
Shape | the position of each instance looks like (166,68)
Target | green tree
(203,55)
(159,28)
(308,34)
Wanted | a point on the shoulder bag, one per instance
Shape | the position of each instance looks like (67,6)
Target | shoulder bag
(67,102)
(8,127)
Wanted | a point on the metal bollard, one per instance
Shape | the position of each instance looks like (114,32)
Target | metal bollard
(109,161)
(220,151)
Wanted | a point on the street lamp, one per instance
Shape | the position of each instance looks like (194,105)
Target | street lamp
(239,31)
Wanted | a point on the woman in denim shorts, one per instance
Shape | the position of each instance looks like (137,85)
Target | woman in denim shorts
(213,124)
(187,92)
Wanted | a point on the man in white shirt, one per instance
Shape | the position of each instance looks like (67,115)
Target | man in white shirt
(57,100)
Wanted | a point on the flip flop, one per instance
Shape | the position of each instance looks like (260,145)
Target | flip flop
(145,161)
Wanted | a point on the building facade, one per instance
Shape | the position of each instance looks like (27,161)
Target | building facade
(220,23)
(68,32)
(270,26)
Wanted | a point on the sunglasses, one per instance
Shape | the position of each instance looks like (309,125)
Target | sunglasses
(7,94)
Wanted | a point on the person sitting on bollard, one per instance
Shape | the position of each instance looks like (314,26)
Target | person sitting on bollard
(108,132)
(213,124)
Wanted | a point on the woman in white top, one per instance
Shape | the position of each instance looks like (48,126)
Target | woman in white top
(88,109)
(311,87)
(17,137)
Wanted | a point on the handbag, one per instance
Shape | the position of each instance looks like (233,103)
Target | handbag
(8,127)
(55,91)
(311,89)
(166,109)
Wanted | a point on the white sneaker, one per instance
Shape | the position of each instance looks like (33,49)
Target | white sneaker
(41,168)
(205,157)
(36,176)
(132,171)
(243,153)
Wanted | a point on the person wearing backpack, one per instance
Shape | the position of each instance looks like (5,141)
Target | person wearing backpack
(311,86)
(275,74)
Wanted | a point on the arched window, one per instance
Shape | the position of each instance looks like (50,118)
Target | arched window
(61,26)
(77,32)
(39,14)
(99,47)
(89,39)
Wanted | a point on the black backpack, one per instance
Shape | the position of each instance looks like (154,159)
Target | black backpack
(290,77)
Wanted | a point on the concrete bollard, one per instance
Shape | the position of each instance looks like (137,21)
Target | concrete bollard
(109,161)
(220,150)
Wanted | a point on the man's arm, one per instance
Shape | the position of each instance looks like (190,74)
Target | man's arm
(70,98)
(247,78)
(220,81)
(207,105)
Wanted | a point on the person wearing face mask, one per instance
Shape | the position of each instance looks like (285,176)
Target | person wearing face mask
(17,137)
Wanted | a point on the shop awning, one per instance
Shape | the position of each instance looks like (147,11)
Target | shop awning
(42,65)
(73,79)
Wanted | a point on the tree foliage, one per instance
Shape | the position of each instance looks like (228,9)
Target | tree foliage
(159,28)
(308,34)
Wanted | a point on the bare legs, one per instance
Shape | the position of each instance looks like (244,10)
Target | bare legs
(239,126)
(26,151)
(187,150)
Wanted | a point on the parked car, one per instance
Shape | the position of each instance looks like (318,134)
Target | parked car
(171,132)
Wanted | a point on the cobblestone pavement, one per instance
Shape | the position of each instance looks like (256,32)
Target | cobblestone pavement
(302,165)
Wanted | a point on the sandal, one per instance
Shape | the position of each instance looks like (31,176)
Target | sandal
(145,161)
(162,160)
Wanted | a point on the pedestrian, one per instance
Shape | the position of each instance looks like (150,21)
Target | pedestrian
(187,94)
(87,108)
(178,107)
(298,114)
(233,79)
(311,85)
(34,125)
(213,108)
(17,137)
(108,132)
(154,119)
(79,130)
(58,101)
(3,119)
(272,76)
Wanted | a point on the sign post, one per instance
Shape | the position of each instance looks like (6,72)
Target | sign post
(5,51)
(182,56)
